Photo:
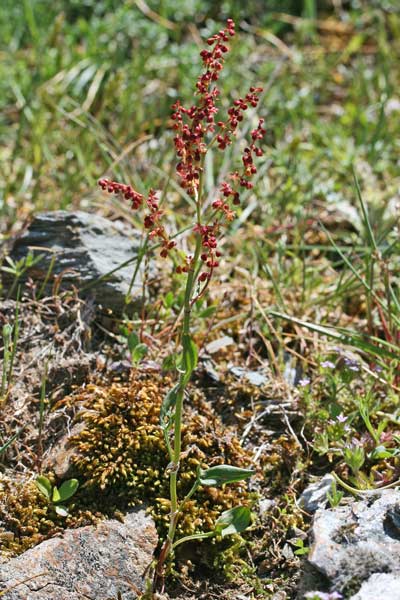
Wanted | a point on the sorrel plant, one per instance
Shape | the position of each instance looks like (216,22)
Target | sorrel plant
(197,130)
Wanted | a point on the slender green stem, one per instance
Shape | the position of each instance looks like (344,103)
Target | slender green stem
(15,338)
(7,332)
(354,490)
(181,391)
(47,276)
(183,380)
(195,536)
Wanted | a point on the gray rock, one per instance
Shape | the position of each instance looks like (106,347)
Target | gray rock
(91,563)
(89,251)
(265,505)
(315,496)
(219,344)
(380,585)
(257,378)
(353,542)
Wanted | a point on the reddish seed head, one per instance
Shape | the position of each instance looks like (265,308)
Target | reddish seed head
(193,127)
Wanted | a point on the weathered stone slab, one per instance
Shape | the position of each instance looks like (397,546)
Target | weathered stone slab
(355,541)
(91,563)
(380,585)
(89,252)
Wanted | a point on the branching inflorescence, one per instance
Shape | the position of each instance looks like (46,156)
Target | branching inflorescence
(197,130)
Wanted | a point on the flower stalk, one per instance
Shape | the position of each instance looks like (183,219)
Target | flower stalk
(196,131)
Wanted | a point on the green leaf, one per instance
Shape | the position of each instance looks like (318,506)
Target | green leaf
(169,300)
(168,405)
(207,312)
(222,474)
(44,486)
(380,452)
(68,489)
(169,362)
(10,261)
(133,341)
(56,494)
(301,548)
(233,521)
(190,357)
(8,443)
(139,352)
(61,510)
(7,331)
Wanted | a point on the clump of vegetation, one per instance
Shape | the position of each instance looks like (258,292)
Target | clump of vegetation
(122,452)
(27,518)
(24,516)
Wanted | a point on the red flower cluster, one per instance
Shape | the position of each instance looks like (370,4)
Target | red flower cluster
(231,193)
(152,219)
(190,139)
(113,187)
(192,126)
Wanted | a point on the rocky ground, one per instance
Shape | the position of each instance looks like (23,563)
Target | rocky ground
(73,407)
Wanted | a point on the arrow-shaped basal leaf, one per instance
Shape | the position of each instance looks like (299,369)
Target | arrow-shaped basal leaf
(222,474)
(233,521)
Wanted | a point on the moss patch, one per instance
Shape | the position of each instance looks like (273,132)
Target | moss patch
(122,453)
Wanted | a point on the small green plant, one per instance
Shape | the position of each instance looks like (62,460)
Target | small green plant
(56,496)
(10,340)
(137,349)
(18,268)
(334,495)
(234,520)
(301,548)
(198,129)
(354,457)
(7,345)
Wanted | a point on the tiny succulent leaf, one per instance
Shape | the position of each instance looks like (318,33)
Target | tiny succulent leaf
(380,453)
(44,486)
(139,352)
(7,331)
(56,494)
(223,474)
(61,510)
(68,489)
(233,521)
